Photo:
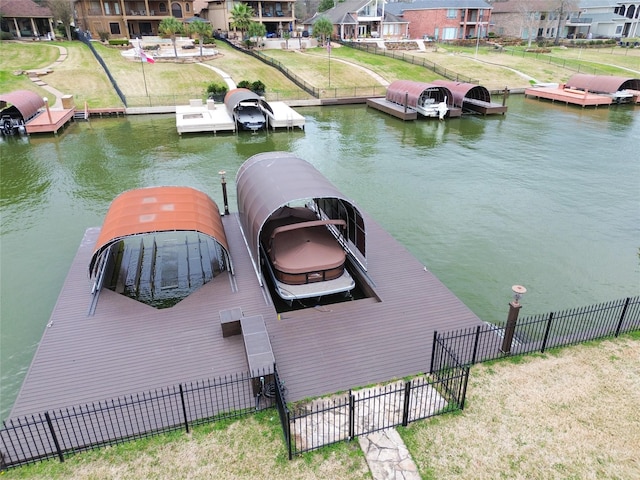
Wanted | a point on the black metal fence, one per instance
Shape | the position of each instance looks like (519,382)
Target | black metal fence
(413,59)
(53,434)
(536,333)
(344,417)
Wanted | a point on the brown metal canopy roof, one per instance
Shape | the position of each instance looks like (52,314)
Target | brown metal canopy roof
(159,209)
(462,91)
(270,180)
(409,92)
(602,83)
(26,102)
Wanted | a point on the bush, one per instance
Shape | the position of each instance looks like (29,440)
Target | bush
(258,87)
(119,42)
(104,36)
(217,91)
(5,36)
(244,84)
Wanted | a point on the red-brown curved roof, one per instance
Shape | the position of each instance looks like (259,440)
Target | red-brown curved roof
(159,209)
(602,83)
(462,91)
(26,102)
(409,92)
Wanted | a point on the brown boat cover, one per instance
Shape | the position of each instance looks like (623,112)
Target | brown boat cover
(408,92)
(159,209)
(271,180)
(306,250)
(602,83)
(462,91)
(26,102)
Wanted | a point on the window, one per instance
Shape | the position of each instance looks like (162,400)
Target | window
(176,10)
(186,7)
(452,13)
(114,28)
(162,7)
(107,8)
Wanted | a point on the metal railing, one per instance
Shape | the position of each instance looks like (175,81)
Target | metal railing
(537,333)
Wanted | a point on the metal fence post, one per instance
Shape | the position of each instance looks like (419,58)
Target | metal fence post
(433,349)
(407,402)
(184,409)
(475,346)
(510,327)
(546,333)
(352,419)
(55,438)
(622,315)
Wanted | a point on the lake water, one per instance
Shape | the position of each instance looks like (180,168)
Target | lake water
(547,196)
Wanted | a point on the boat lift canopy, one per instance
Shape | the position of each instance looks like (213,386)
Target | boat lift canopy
(234,97)
(465,91)
(159,209)
(602,83)
(24,102)
(407,92)
(271,180)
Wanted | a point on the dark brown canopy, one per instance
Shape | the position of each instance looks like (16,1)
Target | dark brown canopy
(462,91)
(268,181)
(24,102)
(409,92)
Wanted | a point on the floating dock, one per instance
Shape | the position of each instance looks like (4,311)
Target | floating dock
(402,112)
(214,117)
(50,121)
(569,96)
(126,347)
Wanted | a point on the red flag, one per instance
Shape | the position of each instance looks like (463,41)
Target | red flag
(145,58)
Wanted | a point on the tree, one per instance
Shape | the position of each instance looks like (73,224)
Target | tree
(562,8)
(258,30)
(62,11)
(323,27)
(241,16)
(325,5)
(170,27)
(530,20)
(202,30)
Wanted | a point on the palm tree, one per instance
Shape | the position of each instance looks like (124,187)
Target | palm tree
(202,30)
(241,16)
(323,27)
(170,27)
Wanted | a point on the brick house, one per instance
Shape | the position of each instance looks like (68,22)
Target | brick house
(444,19)
(25,18)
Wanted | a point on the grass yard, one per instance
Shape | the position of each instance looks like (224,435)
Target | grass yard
(572,413)
(16,58)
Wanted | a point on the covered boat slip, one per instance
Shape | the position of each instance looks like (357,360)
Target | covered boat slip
(473,98)
(127,347)
(428,99)
(27,110)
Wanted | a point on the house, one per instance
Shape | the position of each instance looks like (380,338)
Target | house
(128,18)
(354,19)
(604,19)
(25,18)
(278,16)
(444,19)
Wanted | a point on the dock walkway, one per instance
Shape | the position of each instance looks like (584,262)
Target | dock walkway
(128,347)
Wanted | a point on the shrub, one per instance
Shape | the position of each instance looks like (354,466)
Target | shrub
(244,84)
(217,91)
(104,36)
(119,42)
(5,36)
(258,87)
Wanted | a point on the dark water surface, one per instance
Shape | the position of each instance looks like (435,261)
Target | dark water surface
(547,196)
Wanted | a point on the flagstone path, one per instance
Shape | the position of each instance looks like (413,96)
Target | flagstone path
(36,77)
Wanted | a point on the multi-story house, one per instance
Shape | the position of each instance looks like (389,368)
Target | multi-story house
(128,18)
(604,19)
(444,19)
(353,19)
(277,16)
(533,19)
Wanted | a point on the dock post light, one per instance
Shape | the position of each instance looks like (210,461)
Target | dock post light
(512,318)
(223,180)
(46,105)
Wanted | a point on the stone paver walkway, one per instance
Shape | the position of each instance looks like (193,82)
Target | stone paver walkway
(35,77)
(387,456)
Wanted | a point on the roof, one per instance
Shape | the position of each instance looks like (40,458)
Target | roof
(25,101)
(341,14)
(402,91)
(270,180)
(462,91)
(235,96)
(398,7)
(159,209)
(518,6)
(23,8)
(602,83)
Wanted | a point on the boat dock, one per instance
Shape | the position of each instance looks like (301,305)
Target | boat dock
(214,117)
(50,121)
(568,96)
(126,347)
(402,112)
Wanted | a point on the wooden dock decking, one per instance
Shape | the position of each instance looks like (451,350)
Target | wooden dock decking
(50,121)
(128,347)
(569,96)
